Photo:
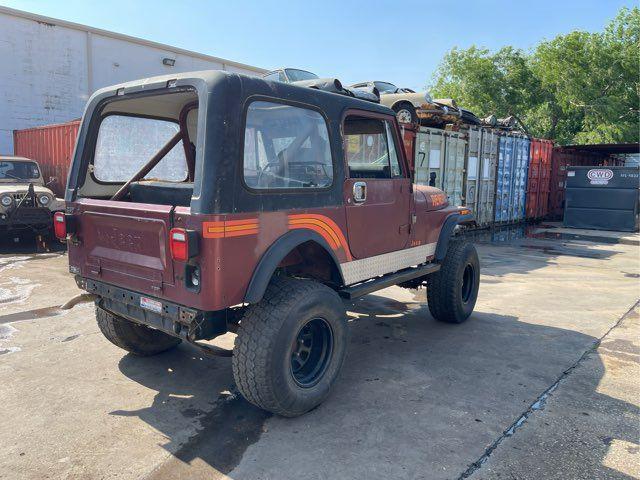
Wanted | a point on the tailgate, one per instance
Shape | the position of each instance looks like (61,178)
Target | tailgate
(126,244)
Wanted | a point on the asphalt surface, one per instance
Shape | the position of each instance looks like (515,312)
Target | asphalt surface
(541,382)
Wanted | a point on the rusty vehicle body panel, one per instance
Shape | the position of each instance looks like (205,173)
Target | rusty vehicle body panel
(409,133)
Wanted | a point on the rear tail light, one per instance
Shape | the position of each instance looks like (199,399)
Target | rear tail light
(60,225)
(183,244)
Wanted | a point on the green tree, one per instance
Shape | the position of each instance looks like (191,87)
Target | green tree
(577,88)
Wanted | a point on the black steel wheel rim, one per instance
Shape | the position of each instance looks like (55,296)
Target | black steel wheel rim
(311,352)
(468,282)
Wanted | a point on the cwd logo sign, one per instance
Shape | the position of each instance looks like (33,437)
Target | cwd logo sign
(599,176)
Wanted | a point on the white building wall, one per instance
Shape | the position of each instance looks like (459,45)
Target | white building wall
(49,68)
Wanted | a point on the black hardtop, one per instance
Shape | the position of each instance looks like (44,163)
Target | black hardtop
(215,80)
(223,98)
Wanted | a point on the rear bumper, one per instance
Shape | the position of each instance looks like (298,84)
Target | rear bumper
(171,318)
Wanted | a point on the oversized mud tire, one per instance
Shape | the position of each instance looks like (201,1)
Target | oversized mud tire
(290,346)
(137,339)
(453,290)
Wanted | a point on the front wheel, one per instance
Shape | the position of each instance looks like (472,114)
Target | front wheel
(453,290)
(290,347)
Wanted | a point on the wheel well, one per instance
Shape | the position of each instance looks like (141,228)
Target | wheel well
(311,260)
(300,252)
(396,106)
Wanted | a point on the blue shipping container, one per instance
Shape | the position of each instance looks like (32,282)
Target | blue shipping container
(511,178)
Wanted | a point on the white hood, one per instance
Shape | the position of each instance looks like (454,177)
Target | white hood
(23,188)
(11,188)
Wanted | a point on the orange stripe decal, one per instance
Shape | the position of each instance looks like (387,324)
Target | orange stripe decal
(241,233)
(230,228)
(323,233)
(326,227)
(321,224)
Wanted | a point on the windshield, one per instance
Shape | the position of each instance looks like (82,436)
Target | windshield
(17,170)
(298,75)
(384,87)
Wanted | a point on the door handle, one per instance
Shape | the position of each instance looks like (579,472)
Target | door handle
(359,192)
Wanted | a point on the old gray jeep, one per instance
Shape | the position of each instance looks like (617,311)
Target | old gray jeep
(26,204)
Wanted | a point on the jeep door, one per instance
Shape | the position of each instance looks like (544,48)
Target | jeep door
(377,192)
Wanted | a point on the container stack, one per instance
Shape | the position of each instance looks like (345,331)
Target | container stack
(501,174)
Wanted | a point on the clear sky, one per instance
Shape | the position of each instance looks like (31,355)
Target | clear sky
(397,41)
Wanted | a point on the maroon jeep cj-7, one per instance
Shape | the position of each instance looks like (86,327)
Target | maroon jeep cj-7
(208,202)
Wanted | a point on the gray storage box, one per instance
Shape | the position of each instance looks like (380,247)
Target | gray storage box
(603,198)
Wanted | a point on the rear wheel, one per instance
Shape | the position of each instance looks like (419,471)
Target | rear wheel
(290,347)
(406,113)
(453,290)
(132,337)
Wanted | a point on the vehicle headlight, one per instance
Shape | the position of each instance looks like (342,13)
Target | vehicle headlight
(44,199)
(6,200)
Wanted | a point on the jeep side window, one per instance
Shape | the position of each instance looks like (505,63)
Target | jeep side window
(370,149)
(286,147)
(125,143)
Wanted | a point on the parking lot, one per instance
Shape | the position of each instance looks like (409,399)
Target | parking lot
(540,382)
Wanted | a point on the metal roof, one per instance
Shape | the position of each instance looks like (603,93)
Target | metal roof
(605,148)
(128,38)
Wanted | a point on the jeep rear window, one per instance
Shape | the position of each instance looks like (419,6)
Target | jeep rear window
(286,147)
(125,143)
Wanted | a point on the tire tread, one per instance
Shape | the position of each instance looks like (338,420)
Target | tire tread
(256,338)
(136,339)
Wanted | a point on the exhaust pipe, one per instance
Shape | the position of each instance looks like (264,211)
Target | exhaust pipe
(78,299)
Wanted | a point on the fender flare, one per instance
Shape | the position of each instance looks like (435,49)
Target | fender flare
(401,101)
(276,253)
(446,233)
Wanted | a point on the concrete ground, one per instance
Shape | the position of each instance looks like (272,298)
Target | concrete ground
(541,382)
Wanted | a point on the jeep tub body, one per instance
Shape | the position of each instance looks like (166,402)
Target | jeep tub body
(191,195)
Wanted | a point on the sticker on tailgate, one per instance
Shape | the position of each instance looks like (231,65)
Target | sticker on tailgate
(151,304)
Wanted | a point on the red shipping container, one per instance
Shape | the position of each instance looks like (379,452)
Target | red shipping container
(538,181)
(52,147)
